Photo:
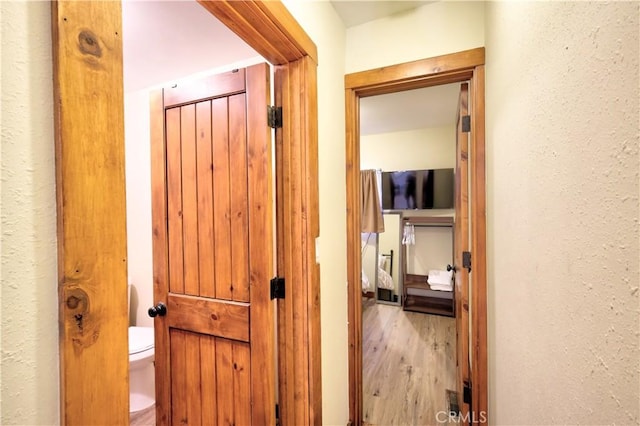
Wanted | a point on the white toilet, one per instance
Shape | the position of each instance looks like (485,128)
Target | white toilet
(141,368)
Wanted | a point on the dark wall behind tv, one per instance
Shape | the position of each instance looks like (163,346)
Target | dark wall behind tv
(418,189)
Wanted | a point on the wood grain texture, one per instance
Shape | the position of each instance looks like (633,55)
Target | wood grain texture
(479,351)
(260,218)
(310,194)
(354,260)
(243,408)
(239,185)
(193,395)
(428,72)
(224,382)
(91,216)
(208,316)
(295,34)
(205,200)
(174,200)
(435,80)
(208,377)
(268,27)
(207,354)
(213,86)
(296,269)
(299,331)
(416,70)
(408,364)
(160,243)
(214,380)
(222,198)
(178,380)
(189,199)
(461,244)
(428,220)
(286,388)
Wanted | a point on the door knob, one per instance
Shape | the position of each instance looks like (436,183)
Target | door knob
(159,309)
(451,268)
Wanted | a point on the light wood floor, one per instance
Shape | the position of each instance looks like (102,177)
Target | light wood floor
(144,418)
(408,364)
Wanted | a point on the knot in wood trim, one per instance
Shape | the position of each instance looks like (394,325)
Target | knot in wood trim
(88,43)
(77,301)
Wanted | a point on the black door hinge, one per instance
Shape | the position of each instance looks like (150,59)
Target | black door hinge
(466,123)
(277,412)
(466,260)
(466,392)
(274,117)
(277,288)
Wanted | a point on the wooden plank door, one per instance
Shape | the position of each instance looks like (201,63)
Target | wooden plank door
(461,244)
(213,251)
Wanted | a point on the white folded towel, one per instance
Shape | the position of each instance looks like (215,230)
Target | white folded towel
(438,277)
(441,287)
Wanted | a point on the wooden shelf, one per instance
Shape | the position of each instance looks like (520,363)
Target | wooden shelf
(428,220)
(428,301)
(417,294)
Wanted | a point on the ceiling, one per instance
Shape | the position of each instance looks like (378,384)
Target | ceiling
(355,13)
(167,40)
(414,109)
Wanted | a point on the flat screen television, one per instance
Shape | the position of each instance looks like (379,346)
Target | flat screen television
(418,189)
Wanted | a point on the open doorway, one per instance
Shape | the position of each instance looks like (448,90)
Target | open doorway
(454,68)
(152,57)
(91,207)
(155,58)
(408,325)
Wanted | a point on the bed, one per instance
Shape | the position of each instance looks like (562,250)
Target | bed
(385,265)
(385,281)
(367,287)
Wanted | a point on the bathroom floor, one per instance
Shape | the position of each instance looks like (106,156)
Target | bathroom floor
(144,417)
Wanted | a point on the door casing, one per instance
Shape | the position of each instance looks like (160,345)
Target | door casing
(90,182)
(452,68)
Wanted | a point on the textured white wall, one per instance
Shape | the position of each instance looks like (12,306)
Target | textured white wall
(138,176)
(320,21)
(562,132)
(430,148)
(29,374)
(433,249)
(434,29)
(562,93)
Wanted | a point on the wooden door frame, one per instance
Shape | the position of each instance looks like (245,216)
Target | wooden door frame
(90,187)
(456,67)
